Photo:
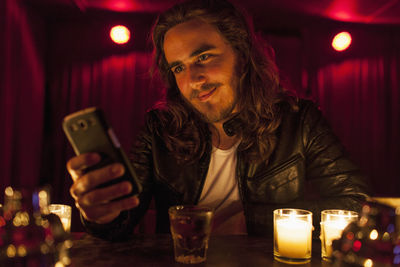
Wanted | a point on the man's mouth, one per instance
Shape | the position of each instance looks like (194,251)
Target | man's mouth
(203,96)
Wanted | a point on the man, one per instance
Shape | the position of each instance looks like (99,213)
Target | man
(227,136)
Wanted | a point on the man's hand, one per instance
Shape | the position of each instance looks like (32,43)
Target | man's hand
(95,203)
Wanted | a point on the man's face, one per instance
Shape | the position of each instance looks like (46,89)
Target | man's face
(204,64)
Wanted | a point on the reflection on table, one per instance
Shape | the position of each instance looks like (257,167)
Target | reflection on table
(157,250)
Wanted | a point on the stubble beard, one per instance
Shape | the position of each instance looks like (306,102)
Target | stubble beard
(213,114)
(217,112)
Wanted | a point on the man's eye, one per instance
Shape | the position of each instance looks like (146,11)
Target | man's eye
(177,69)
(203,57)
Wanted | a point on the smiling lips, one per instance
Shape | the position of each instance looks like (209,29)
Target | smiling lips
(204,96)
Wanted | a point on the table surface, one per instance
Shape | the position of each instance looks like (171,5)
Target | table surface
(157,250)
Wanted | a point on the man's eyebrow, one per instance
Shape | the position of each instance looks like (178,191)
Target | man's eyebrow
(201,49)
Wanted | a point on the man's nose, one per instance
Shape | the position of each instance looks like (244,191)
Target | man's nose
(197,76)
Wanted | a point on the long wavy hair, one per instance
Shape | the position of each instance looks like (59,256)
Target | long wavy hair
(260,95)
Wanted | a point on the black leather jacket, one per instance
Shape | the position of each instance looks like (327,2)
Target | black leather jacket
(308,169)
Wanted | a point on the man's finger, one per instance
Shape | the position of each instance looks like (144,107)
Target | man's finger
(78,164)
(91,180)
(102,213)
(106,194)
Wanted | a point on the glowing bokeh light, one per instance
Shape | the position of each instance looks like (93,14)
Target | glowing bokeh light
(11,251)
(350,235)
(341,41)
(356,245)
(396,249)
(373,235)
(9,191)
(396,259)
(368,263)
(120,34)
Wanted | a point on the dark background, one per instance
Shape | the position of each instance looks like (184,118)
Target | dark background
(56,58)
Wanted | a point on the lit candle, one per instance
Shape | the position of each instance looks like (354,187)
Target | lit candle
(292,235)
(66,222)
(333,223)
(331,230)
(64,212)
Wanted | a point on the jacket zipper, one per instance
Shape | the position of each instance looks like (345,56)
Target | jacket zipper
(277,169)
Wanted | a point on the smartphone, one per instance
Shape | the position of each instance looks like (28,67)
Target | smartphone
(88,131)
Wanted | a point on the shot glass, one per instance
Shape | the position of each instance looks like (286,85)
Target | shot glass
(292,235)
(64,212)
(333,223)
(190,229)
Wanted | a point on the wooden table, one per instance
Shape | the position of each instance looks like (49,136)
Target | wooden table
(157,250)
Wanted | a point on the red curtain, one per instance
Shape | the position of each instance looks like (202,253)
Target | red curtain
(120,85)
(361,98)
(22,95)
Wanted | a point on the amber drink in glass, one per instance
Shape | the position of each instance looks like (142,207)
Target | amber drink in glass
(190,229)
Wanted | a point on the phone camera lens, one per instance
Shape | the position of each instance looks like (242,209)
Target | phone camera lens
(83,124)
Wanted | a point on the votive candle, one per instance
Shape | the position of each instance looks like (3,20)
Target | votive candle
(292,235)
(333,223)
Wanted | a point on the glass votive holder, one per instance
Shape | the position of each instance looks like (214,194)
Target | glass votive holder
(292,235)
(64,212)
(333,223)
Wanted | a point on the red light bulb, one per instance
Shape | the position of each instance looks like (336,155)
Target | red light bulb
(120,34)
(341,41)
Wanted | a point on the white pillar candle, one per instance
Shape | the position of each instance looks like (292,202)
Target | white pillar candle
(293,237)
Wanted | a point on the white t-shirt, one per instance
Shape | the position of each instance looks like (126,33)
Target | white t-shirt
(221,192)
